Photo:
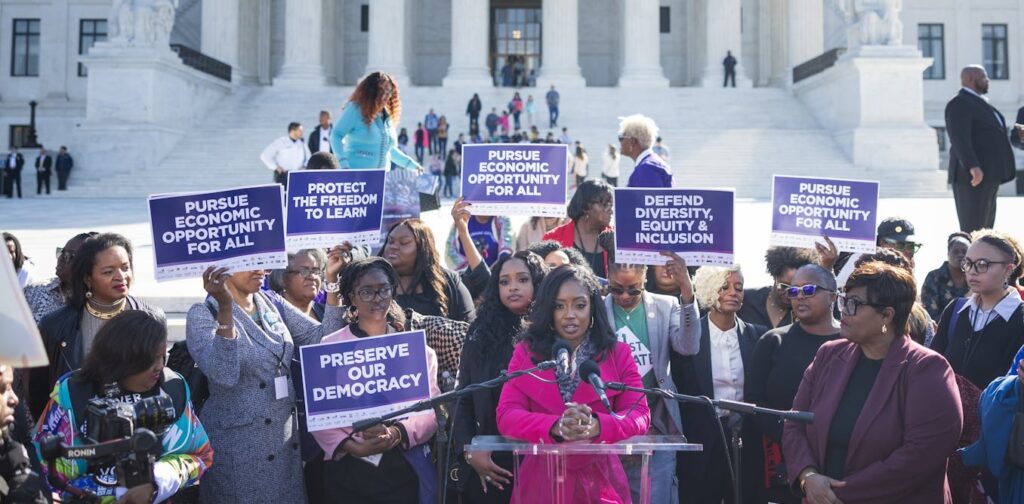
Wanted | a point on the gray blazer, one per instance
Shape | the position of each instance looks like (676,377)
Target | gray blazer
(254,435)
(670,326)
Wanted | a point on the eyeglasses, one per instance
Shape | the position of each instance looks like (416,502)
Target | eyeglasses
(624,137)
(849,305)
(808,290)
(306,272)
(980,266)
(368,295)
(607,205)
(903,246)
(618,291)
(63,253)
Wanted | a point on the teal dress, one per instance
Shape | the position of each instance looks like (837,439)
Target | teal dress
(367,146)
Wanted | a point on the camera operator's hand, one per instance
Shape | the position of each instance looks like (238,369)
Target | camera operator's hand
(142,494)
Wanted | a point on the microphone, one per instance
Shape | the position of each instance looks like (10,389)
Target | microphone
(591,373)
(560,352)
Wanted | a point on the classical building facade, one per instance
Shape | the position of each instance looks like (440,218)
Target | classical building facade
(474,43)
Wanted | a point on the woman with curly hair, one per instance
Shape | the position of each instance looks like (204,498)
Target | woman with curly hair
(424,285)
(368,122)
(569,307)
(506,304)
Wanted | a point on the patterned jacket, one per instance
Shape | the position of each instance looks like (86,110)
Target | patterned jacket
(187,453)
(446,337)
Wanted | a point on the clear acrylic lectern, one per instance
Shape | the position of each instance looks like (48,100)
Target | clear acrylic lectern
(557,453)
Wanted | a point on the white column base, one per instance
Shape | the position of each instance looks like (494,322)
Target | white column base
(560,78)
(642,78)
(468,78)
(300,76)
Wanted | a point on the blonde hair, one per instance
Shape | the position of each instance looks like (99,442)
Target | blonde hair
(918,322)
(640,128)
(708,282)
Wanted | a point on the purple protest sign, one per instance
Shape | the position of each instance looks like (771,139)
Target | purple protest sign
(515,179)
(241,229)
(695,223)
(348,381)
(804,209)
(328,207)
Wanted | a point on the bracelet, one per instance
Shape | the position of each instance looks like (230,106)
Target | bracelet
(225,327)
(332,287)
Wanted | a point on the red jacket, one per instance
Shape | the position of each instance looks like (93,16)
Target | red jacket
(566,235)
(909,426)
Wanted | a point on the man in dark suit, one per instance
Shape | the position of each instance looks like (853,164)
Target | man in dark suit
(64,165)
(12,172)
(320,138)
(704,476)
(980,157)
(44,168)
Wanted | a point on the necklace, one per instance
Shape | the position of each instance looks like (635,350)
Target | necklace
(104,315)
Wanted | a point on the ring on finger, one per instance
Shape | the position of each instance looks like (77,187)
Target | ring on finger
(487,478)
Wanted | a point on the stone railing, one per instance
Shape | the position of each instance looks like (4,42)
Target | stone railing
(817,64)
(203,63)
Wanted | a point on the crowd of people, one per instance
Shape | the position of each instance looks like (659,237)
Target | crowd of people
(913,394)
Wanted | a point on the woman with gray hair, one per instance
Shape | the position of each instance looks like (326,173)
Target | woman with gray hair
(301,282)
(778,365)
(636,139)
(719,370)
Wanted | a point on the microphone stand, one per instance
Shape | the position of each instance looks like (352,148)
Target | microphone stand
(741,408)
(435,403)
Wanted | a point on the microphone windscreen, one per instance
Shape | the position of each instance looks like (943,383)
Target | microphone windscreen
(560,344)
(588,368)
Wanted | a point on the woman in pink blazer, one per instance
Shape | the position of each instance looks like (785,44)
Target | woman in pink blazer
(569,306)
(394,464)
(887,411)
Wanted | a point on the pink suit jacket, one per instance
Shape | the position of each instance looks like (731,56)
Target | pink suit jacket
(528,409)
(909,426)
(419,428)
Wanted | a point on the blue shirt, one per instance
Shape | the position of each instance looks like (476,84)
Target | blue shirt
(367,146)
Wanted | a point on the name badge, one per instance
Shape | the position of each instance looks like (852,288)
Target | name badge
(281,387)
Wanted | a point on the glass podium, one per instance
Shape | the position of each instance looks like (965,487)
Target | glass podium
(557,455)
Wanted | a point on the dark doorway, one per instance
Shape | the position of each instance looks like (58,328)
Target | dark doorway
(515,42)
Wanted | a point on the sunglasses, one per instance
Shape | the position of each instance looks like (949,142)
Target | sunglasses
(903,246)
(618,291)
(795,291)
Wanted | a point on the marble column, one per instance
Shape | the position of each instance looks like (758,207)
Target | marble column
(805,33)
(723,30)
(469,45)
(220,32)
(388,31)
(560,45)
(641,66)
(303,31)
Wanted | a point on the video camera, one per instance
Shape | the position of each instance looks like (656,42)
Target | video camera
(119,435)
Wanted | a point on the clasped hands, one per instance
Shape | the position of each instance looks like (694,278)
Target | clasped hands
(377,439)
(577,423)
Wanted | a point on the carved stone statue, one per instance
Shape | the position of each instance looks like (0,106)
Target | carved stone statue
(142,23)
(871,22)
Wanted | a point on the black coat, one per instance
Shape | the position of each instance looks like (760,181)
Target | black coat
(314,140)
(1014,137)
(19,162)
(65,162)
(473,109)
(45,162)
(62,337)
(692,375)
(978,137)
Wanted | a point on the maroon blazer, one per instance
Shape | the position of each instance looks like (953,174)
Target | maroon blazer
(909,426)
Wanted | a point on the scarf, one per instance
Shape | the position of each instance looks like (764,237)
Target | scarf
(567,382)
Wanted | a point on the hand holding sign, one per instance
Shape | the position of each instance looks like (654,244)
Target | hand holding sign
(214,283)
(828,253)
(460,213)
(677,268)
